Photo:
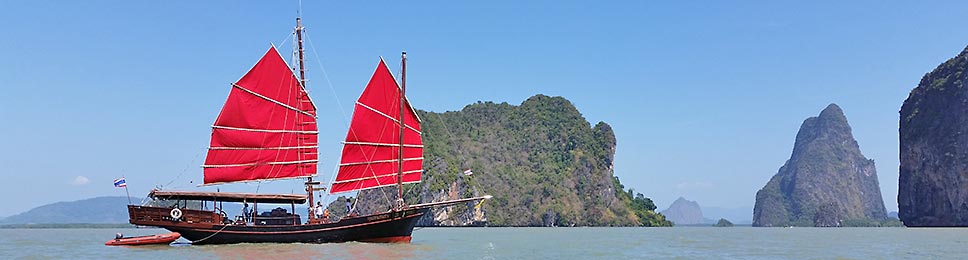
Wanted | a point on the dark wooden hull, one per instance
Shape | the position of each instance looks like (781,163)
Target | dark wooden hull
(383,227)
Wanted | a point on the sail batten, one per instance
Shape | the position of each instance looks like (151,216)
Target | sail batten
(262,148)
(261,163)
(272,100)
(388,117)
(382,161)
(385,144)
(372,150)
(393,174)
(266,129)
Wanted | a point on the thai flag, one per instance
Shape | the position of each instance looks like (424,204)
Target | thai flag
(120,183)
(468,172)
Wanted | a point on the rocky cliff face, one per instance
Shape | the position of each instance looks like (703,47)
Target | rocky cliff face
(460,215)
(933,181)
(684,212)
(826,180)
(542,161)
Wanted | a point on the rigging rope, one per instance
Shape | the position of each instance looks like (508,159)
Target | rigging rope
(212,235)
(346,120)
(186,167)
(453,137)
(309,40)
(273,167)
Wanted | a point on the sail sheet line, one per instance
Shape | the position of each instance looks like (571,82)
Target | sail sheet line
(388,117)
(258,163)
(273,100)
(266,130)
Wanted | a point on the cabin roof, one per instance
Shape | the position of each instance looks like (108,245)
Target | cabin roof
(230,196)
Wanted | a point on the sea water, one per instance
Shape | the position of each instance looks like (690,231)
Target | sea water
(526,243)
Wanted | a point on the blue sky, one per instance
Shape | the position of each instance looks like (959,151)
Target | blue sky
(705,98)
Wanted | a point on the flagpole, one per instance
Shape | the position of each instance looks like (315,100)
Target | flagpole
(126,189)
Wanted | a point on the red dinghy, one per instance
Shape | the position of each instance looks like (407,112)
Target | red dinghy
(144,240)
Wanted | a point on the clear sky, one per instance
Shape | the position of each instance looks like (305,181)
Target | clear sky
(705,97)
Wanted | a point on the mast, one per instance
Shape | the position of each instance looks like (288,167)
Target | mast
(403,91)
(302,68)
(302,83)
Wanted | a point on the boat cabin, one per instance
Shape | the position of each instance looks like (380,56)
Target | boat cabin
(192,207)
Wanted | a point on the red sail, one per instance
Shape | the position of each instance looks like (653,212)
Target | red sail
(371,152)
(267,127)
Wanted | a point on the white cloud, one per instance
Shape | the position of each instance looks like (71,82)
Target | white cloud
(80,180)
(694,185)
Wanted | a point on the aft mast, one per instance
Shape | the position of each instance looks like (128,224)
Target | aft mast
(403,94)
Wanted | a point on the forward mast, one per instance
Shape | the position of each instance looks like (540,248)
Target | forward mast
(310,184)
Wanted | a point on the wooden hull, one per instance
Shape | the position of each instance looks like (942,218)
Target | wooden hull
(144,240)
(383,227)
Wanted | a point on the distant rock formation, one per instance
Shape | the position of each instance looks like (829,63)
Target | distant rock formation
(933,176)
(99,210)
(684,212)
(825,182)
(738,215)
(723,223)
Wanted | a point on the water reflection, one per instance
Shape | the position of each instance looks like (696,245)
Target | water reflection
(351,250)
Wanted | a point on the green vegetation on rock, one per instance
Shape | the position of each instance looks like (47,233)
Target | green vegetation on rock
(542,161)
(642,207)
(890,222)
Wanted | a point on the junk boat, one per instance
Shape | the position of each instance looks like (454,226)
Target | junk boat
(267,130)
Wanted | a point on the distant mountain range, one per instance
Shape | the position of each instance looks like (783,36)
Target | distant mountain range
(99,210)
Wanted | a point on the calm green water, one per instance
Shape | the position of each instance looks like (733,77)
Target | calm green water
(528,243)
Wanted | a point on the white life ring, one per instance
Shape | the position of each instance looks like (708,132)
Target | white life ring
(176,213)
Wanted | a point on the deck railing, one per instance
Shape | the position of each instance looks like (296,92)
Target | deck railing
(141,214)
